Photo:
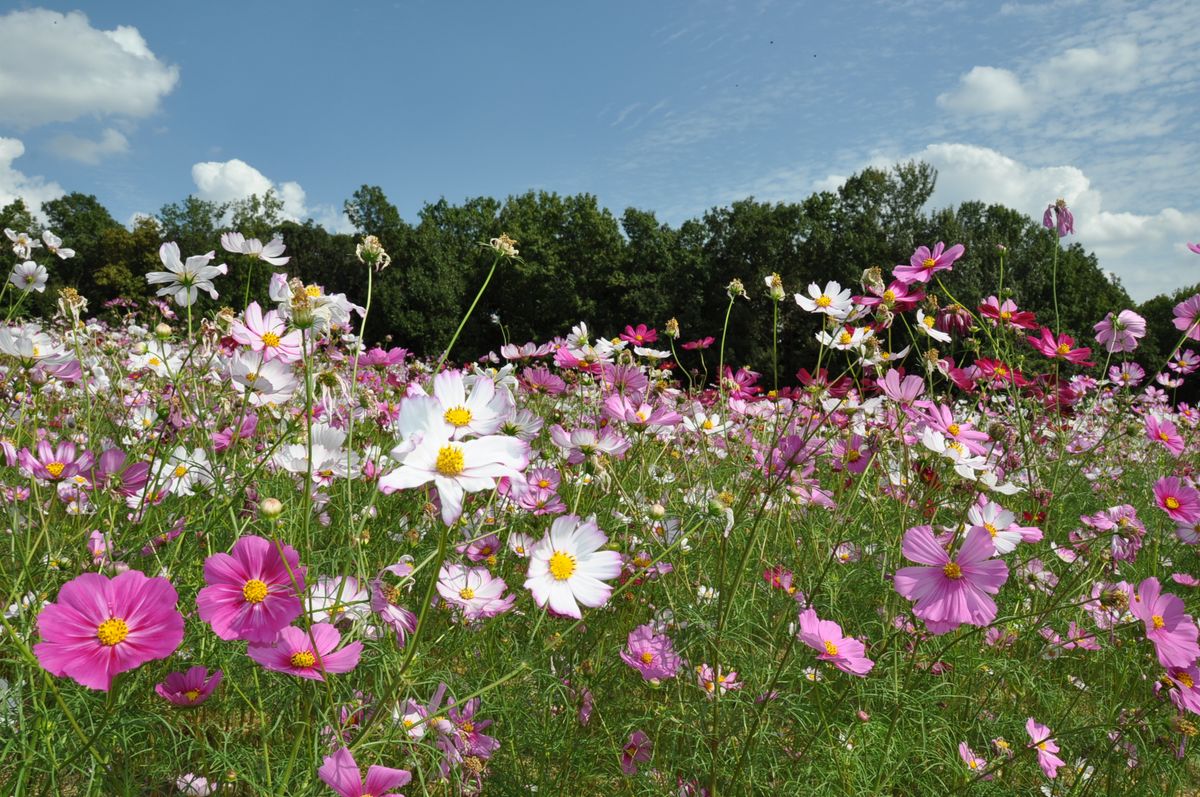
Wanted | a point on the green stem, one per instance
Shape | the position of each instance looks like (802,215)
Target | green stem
(442,360)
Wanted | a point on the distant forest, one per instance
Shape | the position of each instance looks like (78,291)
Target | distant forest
(579,262)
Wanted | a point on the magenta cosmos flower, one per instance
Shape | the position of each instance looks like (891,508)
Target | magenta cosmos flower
(1040,738)
(1187,317)
(825,637)
(253,591)
(267,334)
(652,655)
(307,654)
(189,688)
(340,772)
(636,751)
(925,263)
(1058,216)
(1061,347)
(1173,633)
(949,592)
(1160,430)
(101,627)
(1178,500)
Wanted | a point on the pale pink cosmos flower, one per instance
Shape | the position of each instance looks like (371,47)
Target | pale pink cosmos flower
(270,252)
(713,681)
(1187,316)
(1041,739)
(267,334)
(975,764)
(826,637)
(340,772)
(1120,333)
(651,654)
(308,654)
(949,592)
(474,590)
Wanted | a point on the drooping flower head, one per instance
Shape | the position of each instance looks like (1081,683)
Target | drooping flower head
(253,592)
(340,772)
(1058,216)
(1120,333)
(101,627)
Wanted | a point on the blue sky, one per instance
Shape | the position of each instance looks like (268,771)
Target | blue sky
(670,106)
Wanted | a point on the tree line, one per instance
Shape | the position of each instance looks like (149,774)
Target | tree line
(579,262)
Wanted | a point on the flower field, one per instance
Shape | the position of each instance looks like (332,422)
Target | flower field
(247,552)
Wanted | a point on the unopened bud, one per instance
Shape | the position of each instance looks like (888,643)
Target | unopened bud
(271,508)
(162,331)
(657,511)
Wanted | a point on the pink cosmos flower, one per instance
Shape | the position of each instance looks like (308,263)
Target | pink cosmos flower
(950,592)
(899,297)
(1040,739)
(825,636)
(1187,317)
(974,763)
(385,601)
(1160,430)
(253,591)
(189,688)
(1180,501)
(474,590)
(1060,348)
(1173,633)
(101,627)
(651,654)
(1194,247)
(307,654)
(55,463)
(636,751)
(903,390)
(1006,313)
(1127,374)
(267,334)
(1185,688)
(639,414)
(340,772)
(639,336)
(1059,216)
(1120,333)
(702,343)
(925,263)
(710,680)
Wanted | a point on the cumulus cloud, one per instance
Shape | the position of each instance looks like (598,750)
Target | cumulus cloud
(85,150)
(58,68)
(986,89)
(16,185)
(1146,250)
(231,180)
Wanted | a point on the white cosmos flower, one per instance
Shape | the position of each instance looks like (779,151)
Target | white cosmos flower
(475,415)
(845,339)
(925,323)
(54,245)
(833,301)
(329,459)
(22,243)
(567,567)
(458,467)
(29,344)
(270,382)
(29,276)
(271,252)
(183,281)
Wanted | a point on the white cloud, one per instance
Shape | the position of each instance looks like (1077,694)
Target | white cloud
(14,184)
(1146,250)
(57,68)
(231,180)
(85,150)
(986,89)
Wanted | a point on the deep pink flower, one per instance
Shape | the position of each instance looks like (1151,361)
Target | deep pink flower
(1185,688)
(702,343)
(1120,333)
(825,637)
(950,592)
(1040,739)
(1006,313)
(925,263)
(113,471)
(307,654)
(1173,633)
(189,688)
(1178,500)
(898,297)
(639,336)
(253,591)
(55,463)
(1187,317)
(1194,247)
(100,627)
(636,751)
(651,654)
(340,772)
(1160,430)
(1060,348)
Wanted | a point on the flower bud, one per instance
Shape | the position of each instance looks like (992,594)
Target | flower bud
(162,331)
(270,508)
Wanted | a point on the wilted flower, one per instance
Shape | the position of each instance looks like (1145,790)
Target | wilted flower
(504,245)
(371,254)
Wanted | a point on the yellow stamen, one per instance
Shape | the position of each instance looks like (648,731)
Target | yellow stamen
(952,571)
(457,416)
(112,631)
(562,565)
(254,591)
(450,461)
(270,339)
(55,469)
(302,659)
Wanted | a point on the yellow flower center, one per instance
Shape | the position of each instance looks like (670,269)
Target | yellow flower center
(270,339)
(112,631)
(55,469)
(1164,436)
(303,659)
(1185,679)
(823,301)
(830,648)
(647,657)
(1005,315)
(192,695)
(1001,370)
(180,471)
(952,571)
(708,424)
(990,529)
(544,484)
(1157,620)
(889,296)
(466,593)
(155,361)
(562,565)
(457,416)
(845,338)
(1172,502)
(312,291)
(1042,746)
(254,591)
(1063,349)
(853,455)
(956,446)
(954,429)
(928,262)
(450,461)
(928,321)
